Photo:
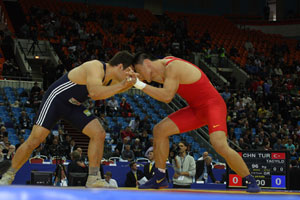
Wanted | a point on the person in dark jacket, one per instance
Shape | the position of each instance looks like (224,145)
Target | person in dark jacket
(204,169)
(133,176)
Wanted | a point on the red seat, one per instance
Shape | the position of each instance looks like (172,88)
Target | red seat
(36,160)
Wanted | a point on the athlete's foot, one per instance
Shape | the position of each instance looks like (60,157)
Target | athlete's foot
(158,181)
(7,178)
(251,184)
(95,182)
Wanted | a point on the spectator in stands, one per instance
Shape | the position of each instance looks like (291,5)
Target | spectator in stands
(61,136)
(11,152)
(273,139)
(113,106)
(41,150)
(204,155)
(127,133)
(184,167)
(242,144)
(127,153)
(35,89)
(226,94)
(111,183)
(3,131)
(137,148)
(6,145)
(204,169)
(76,165)
(121,145)
(56,149)
(101,107)
(24,120)
(143,137)
(10,68)
(134,124)
(16,104)
(291,147)
(125,108)
(145,124)
(21,141)
(257,144)
(67,140)
(133,176)
(278,70)
(72,147)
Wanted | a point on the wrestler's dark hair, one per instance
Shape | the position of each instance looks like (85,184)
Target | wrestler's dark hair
(140,57)
(122,57)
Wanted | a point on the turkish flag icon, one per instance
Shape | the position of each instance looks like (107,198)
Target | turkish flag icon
(235,180)
(278,155)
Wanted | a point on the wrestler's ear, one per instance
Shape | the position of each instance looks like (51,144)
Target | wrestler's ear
(120,66)
(147,62)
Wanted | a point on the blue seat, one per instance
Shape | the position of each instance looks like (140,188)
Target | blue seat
(11,131)
(27,131)
(196,156)
(20,90)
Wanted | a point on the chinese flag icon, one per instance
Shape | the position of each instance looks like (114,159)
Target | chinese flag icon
(235,180)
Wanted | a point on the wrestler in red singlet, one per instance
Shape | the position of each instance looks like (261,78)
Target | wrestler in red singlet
(206,106)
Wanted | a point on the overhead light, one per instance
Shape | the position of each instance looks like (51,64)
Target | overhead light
(36,57)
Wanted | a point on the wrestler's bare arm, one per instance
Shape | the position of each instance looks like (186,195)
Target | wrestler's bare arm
(94,76)
(170,87)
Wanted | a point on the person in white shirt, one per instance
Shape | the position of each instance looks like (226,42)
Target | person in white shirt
(111,183)
(113,105)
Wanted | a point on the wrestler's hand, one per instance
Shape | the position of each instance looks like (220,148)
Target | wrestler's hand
(131,76)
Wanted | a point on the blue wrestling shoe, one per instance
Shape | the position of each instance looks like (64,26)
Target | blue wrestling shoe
(158,181)
(251,184)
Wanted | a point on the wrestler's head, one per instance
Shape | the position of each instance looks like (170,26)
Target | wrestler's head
(121,61)
(142,64)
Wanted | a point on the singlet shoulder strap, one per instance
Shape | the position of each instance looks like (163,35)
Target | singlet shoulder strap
(104,68)
(172,59)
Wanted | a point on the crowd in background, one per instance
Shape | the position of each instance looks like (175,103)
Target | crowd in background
(262,115)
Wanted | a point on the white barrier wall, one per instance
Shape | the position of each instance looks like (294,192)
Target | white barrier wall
(18,84)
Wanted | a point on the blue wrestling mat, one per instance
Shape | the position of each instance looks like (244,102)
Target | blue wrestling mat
(54,193)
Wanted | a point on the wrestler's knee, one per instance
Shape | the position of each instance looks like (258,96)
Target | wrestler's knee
(99,135)
(159,130)
(220,146)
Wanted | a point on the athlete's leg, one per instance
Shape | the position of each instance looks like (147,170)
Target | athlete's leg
(37,136)
(95,152)
(161,133)
(178,122)
(218,140)
(96,134)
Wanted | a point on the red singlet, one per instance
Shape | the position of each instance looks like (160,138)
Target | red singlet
(206,106)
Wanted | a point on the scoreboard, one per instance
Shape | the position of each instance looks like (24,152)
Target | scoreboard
(269,168)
